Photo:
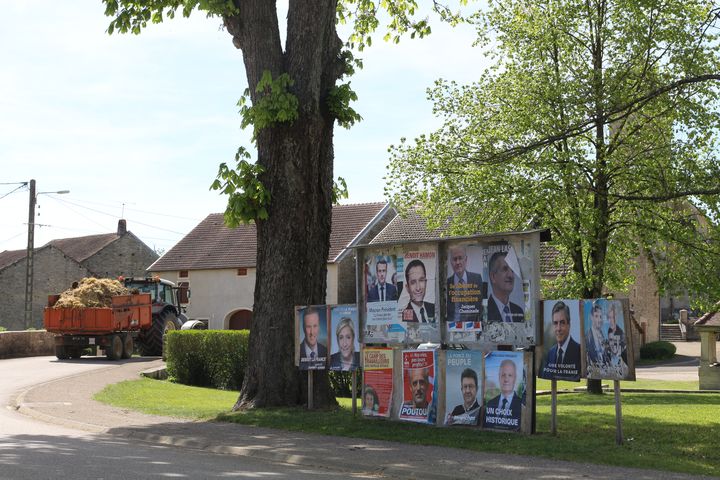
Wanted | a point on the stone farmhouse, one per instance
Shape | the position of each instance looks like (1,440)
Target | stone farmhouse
(61,262)
(217,263)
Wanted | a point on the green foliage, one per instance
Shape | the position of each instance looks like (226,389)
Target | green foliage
(248,198)
(273,103)
(340,190)
(339,100)
(583,125)
(3,329)
(208,358)
(341,383)
(132,16)
(660,350)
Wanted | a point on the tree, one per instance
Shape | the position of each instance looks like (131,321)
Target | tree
(598,121)
(295,98)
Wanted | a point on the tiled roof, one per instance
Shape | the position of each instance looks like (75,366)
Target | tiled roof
(710,319)
(8,257)
(413,227)
(82,248)
(212,245)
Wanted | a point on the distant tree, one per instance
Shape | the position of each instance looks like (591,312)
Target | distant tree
(295,98)
(599,121)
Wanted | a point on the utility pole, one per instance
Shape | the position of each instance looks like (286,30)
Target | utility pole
(29,257)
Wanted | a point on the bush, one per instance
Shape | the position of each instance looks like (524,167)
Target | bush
(207,358)
(661,350)
(341,383)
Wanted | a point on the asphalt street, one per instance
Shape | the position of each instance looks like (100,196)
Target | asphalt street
(53,429)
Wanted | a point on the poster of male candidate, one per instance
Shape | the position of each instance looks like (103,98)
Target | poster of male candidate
(412,315)
(377,381)
(465,288)
(561,359)
(506,385)
(607,341)
(463,387)
(419,398)
(311,352)
(509,275)
(344,341)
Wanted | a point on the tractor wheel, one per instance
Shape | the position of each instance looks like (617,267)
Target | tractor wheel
(128,346)
(115,349)
(61,352)
(154,338)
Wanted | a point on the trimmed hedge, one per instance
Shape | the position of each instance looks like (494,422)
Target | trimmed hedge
(217,359)
(207,358)
(661,350)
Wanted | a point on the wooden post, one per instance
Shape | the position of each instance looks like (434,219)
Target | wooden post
(618,414)
(553,407)
(354,392)
(310,389)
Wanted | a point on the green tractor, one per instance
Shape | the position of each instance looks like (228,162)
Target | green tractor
(167,314)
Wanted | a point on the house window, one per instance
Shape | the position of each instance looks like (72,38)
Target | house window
(183,274)
(183,288)
(242,272)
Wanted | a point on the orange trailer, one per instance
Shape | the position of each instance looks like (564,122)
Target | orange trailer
(111,328)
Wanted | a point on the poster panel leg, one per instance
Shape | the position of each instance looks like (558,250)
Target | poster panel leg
(553,407)
(354,392)
(310,389)
(618,414)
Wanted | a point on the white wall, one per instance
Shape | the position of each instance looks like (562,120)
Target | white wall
(216,293)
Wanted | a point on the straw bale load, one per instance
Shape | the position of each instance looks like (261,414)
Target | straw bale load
(91,292)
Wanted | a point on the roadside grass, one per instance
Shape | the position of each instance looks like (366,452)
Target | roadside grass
(666,431)
(640,383)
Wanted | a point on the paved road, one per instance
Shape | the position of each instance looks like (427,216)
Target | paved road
(81,438)
(33,449)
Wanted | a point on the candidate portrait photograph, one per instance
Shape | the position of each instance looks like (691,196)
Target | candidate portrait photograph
(561,340)
(465,286)
(506,301)
(313,332)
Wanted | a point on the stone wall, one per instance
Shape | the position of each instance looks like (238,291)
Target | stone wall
(26,344)
(127,256)
(53,272)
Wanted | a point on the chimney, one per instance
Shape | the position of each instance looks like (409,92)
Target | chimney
(122,227)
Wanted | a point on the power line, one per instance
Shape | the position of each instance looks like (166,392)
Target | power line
(124,204)
(11,191)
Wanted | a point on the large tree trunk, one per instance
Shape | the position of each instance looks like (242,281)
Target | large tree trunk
(297,157)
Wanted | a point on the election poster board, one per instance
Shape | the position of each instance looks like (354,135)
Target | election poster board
(508,392)
(401,295)
(562,340)
(499,286)
(311,337)
(419,400)
(377,388)
(608,341)
(344,338)
(463,387)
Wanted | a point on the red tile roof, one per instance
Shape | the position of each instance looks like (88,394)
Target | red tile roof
(212,245)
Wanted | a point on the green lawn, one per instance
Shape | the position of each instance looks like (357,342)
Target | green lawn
(667,431)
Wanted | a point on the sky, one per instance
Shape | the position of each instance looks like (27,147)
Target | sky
(136,126)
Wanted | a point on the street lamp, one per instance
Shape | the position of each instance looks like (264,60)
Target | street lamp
(30,251)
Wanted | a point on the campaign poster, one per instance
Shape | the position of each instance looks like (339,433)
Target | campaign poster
(381,289)
(419,399)
(505,391)
(561,358)
(507,273)
(408,313)
(465,288)
(463,387)
(607,341)
(311,351)
(344,338)
(377,381)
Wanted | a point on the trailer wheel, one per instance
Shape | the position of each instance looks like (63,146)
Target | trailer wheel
(61,352)
(75,352)
(115,349)
(128,346)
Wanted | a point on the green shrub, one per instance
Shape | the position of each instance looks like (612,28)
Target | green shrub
(207,358)
(3,329)
(657,350)
(341,383)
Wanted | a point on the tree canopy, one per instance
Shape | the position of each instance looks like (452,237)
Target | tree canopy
(599,121)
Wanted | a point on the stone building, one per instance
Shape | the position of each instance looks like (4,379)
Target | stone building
(217,263)
(61,262)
